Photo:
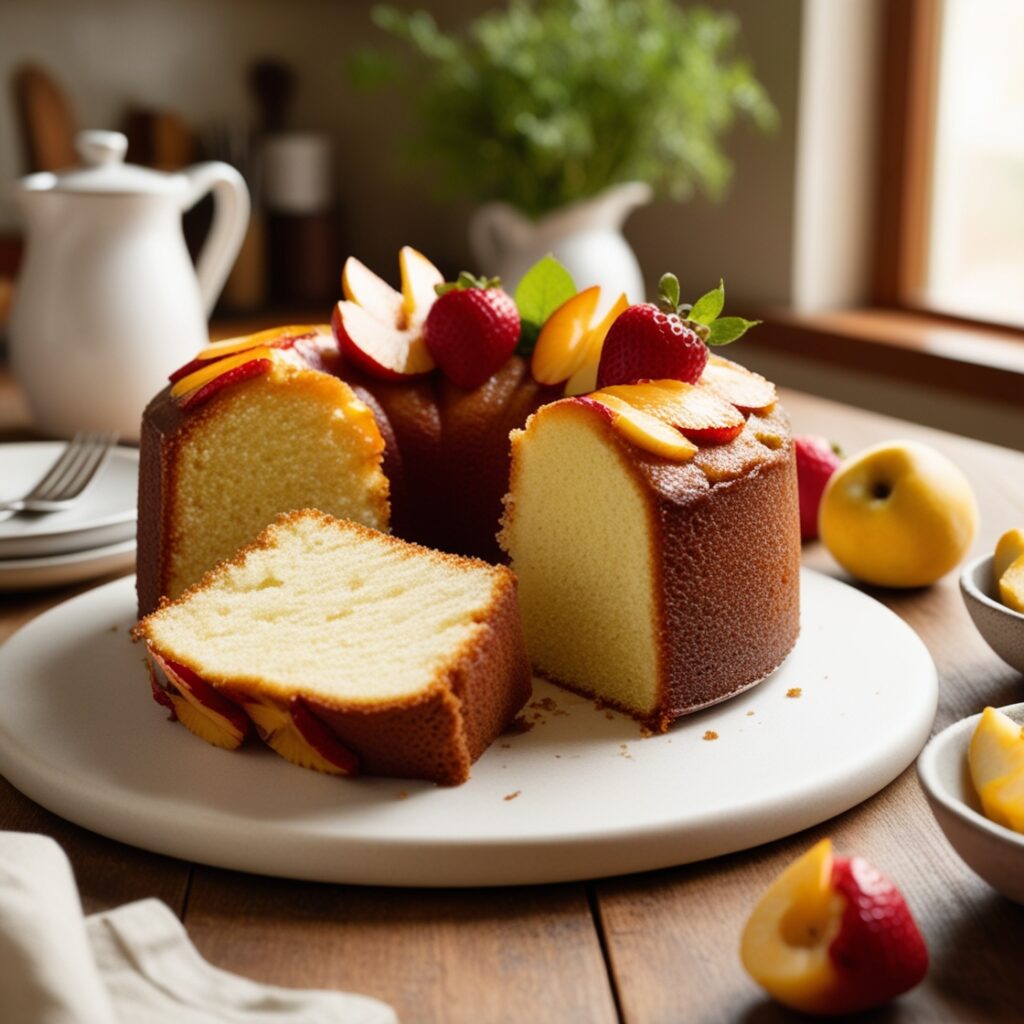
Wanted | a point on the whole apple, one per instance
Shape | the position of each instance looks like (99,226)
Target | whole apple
(899,514)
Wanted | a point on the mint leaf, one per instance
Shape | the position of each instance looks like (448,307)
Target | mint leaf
(707,308)
(729,328)
(544,287)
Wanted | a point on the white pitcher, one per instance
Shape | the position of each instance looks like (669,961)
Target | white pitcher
(585,236)
(108,302)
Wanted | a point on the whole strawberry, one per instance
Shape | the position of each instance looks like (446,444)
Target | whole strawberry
(816,460)
(653,342)
(471,329)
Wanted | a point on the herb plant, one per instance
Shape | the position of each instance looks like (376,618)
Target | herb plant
(546,102)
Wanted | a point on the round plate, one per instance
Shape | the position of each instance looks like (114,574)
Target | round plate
(63,570)
(103,515)
(580,795)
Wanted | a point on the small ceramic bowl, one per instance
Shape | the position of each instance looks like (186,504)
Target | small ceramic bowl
(1002,627)
(992,851)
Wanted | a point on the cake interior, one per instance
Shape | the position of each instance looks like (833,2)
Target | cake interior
(330,610)
(580,543)
(283,442)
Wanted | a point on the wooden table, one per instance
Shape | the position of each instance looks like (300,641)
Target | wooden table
(653,947)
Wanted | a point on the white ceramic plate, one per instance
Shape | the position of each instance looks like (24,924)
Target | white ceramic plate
(62,570)
(104,515)
(580,795)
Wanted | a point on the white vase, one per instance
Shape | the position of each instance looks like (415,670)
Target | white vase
(586,237)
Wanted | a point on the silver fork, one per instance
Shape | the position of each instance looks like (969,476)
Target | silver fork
(65,480)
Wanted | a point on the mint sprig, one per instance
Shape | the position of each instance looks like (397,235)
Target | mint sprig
(544,287)
(703,316)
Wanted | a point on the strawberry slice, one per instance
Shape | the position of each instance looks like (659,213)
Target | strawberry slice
(699,413)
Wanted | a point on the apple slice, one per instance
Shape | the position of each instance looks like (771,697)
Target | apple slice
(420,279)
(200,707)
(640,428)
(186,387)
(995,758)
(379,329)
(564,338)
(298,736)
(747,390)
(832,936)
(701,414)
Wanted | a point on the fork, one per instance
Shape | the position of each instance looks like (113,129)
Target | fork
(65,480)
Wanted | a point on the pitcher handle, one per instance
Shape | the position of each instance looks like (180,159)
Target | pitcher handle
(230,221)
(494,229)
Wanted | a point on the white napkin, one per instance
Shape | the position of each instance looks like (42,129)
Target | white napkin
(133,965)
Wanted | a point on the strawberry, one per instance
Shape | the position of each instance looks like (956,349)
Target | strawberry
(816,461)
(471,329)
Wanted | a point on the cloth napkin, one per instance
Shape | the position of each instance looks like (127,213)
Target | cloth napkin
(132,965)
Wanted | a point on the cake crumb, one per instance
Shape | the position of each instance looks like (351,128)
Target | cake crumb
(645,733)
(402,795)
(749,713)
(520,724)
(512,796)
(710,735)
(113,628)
(624,751)
(558,755)
(610,715)
(506,746)
(794,691)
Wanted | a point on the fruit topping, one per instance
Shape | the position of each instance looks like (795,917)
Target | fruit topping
(832,936)
(995,758)
(697,412)
(816,460)
(300,737)
(569,346)
(471,330)
(200,707)
(641,428)
(381,330)
(747,390)
(1011,586)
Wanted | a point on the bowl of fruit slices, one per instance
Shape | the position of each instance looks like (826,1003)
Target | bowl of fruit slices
(973,776)
(993,590)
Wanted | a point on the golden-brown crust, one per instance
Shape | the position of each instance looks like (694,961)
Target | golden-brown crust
(435,734)
(727,565)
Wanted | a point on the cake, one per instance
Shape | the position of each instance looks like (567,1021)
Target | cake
(349,650)
(656,585)
(647,499)
(242,433)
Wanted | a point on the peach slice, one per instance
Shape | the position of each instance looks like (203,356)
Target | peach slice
(640,428)
(832,935)
(297,735)
(564,338)
(584,379)
(747,390)
(209,371)
(995,759)
(700,413)
(201,708)
(1008,549)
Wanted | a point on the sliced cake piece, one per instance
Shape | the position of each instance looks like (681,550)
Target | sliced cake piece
(240,437)
(348,650)
(658,585)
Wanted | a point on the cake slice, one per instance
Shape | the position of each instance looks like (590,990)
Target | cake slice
(659,585)
(348,650)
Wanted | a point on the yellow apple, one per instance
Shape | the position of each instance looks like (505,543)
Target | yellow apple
(899,514)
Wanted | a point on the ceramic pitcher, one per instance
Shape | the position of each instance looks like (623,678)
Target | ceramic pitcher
(585,236)
(108,302)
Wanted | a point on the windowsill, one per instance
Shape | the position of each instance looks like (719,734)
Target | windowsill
(984,362)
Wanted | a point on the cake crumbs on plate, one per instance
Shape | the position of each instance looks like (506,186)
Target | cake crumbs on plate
(749,714)
(794,691)
(645,733)
(624,751)
(520,724)
(512,796)
(710,734)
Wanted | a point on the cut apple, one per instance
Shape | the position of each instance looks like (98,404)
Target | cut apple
(641,429)
(832,936)
(995,758)
(201,708)
(1009,548)
(298,736)
(743,388)
(379,329)
(701,414)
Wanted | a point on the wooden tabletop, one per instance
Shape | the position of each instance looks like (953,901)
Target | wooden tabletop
(653,947)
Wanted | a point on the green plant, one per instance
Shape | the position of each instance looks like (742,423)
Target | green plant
(546,102)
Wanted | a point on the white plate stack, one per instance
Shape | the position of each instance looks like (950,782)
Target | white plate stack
(94,537)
